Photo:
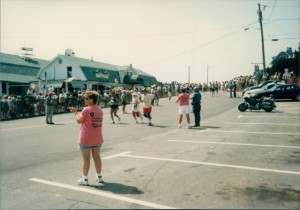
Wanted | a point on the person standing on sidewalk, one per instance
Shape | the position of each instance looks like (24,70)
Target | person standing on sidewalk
(184,107)
(123,101)
(147,107)
(196,103)
(114,106)
(234,89)
(50,102)
(231,86)
(90,137)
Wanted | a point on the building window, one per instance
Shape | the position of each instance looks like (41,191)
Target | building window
(4,87)
(69,71)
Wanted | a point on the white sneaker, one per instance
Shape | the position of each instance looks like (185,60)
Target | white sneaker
(179,126)
(189,127)
(99,179)
(119,119)
(83,181)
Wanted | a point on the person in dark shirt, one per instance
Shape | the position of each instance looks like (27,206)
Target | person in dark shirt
(196,103)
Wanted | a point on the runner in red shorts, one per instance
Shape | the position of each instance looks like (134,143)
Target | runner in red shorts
(147,107)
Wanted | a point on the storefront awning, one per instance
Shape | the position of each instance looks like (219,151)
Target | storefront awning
(55,83)
(77,84)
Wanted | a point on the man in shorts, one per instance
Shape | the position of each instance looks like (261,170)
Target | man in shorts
(147,107)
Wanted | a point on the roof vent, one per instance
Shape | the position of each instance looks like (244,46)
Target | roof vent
(69,52)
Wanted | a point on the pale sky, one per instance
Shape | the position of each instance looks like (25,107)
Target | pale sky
(161,37)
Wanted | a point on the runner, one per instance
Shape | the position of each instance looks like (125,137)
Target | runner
(147,107)
(135,107)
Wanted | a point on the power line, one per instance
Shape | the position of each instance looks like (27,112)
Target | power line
(198,47)
(282,34)
(272,10)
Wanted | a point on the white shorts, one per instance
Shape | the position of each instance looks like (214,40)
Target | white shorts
(184,109)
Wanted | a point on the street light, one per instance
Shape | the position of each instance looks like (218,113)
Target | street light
(251,28)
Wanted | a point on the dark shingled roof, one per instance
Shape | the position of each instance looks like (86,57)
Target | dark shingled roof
(89,63)
(14,68)
(19,61)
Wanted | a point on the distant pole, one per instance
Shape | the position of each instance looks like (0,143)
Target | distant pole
(207,74)
(262,37)
(46,84)
(189,75)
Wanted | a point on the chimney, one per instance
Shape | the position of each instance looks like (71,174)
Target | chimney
(289,51)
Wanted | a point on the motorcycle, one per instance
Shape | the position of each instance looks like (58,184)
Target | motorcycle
(251,103)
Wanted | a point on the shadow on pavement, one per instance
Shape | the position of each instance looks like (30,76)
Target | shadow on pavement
(159,126)
(205,127)
(118,188)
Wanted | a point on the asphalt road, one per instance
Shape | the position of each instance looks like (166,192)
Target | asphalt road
(247,160)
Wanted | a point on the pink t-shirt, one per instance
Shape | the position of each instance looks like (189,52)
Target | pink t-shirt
(91,127)
(183,99)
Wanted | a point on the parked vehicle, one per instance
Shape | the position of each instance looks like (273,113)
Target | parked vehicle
(279,91)
(262,84)
(265,87)
(251,103)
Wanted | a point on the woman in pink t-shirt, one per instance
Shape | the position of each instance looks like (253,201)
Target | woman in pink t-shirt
(90,137)
(184,107)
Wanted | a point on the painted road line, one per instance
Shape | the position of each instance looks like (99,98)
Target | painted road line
(24,127)
(36,126)
(116,155)
(266,116)
(101,193)
(214,164)
(267,133)
(261,123)
(41,125)
(236,144)
(284,108)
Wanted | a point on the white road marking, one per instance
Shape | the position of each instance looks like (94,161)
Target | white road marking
(240,116)
(202,131)
(261,123)
(268,133)
(24,127)
(101,193)
(41,125)
(116,155)
(297,108)
(238,144)
(214,164)
(266,116)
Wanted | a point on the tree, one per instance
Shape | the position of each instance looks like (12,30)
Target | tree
(291,63)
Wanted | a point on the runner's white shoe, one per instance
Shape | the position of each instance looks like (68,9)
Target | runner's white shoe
(83,181)
(100,180)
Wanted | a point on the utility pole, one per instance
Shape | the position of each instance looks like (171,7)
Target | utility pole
(189,75)
(262,37)
(207,75)
(46,84)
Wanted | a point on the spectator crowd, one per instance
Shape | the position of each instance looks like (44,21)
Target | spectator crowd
(33,104)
